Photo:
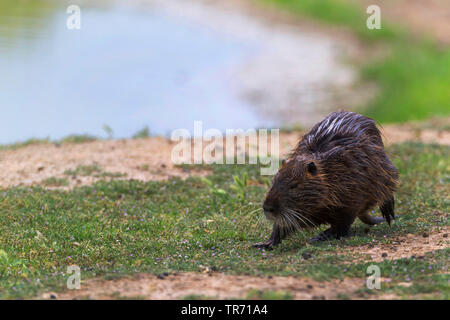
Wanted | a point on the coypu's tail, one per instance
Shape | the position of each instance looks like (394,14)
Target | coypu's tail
(387,210)
(368,219)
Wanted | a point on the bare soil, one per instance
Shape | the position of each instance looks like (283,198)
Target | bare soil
(141,159)
(208,285)
(411,245)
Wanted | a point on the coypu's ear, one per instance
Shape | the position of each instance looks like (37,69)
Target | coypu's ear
(312,168)
(283,161)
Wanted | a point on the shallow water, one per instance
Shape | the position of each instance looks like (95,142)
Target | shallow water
(129,67)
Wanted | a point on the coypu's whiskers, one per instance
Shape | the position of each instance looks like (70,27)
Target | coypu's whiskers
(291,221)
(251,212)
(303,216)
(299,216)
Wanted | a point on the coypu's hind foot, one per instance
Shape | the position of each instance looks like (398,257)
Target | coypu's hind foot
(387,210)
(269,244)
(332,233)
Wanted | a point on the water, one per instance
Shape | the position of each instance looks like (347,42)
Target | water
(126,68)
(161,64)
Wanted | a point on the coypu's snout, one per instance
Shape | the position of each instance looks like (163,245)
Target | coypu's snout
(271,208)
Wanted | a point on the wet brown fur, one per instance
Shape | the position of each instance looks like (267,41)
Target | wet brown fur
(338,171)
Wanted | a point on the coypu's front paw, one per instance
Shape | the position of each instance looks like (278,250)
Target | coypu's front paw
(264,245)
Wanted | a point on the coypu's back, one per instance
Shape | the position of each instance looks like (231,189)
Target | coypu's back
(339,129)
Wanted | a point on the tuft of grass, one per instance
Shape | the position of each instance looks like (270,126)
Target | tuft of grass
(268,295)
(120,227)
(93,170)
(198,297)
(143,133)
(78,138)
(55,182)
(84,170)
(26,143)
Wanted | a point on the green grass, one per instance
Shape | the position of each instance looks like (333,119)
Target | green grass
(414,76)
(17,145)
(268,295)
(143,133)
(78,138)
(93,170)
(74,138)
(341,13)
(55,182)
(114,228)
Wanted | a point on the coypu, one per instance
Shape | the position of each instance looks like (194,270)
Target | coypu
(337,172)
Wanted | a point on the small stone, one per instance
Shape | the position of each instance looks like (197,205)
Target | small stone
(425,235)
(384,254)
(270,277)
(163,165)
(309,286)
(445,235)
(165,274)
(52,296)
(161,276)
(306,255)
(213,268)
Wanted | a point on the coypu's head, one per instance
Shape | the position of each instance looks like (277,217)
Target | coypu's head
(296,189)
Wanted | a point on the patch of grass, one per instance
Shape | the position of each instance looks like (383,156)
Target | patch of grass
(413,82)
(268,295)
(84,170)
(118,296)
(78,138)
(121,227)
(341,13)
(413,77)
(26,143)
(105,174)
(292,128)
(93,170)
(55,182)
(143,133)
(198,297)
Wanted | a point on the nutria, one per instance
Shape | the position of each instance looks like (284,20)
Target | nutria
(338,171)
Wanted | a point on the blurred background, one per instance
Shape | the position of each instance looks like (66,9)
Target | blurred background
(161,64)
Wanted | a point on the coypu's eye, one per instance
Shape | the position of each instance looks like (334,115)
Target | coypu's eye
(312,168)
